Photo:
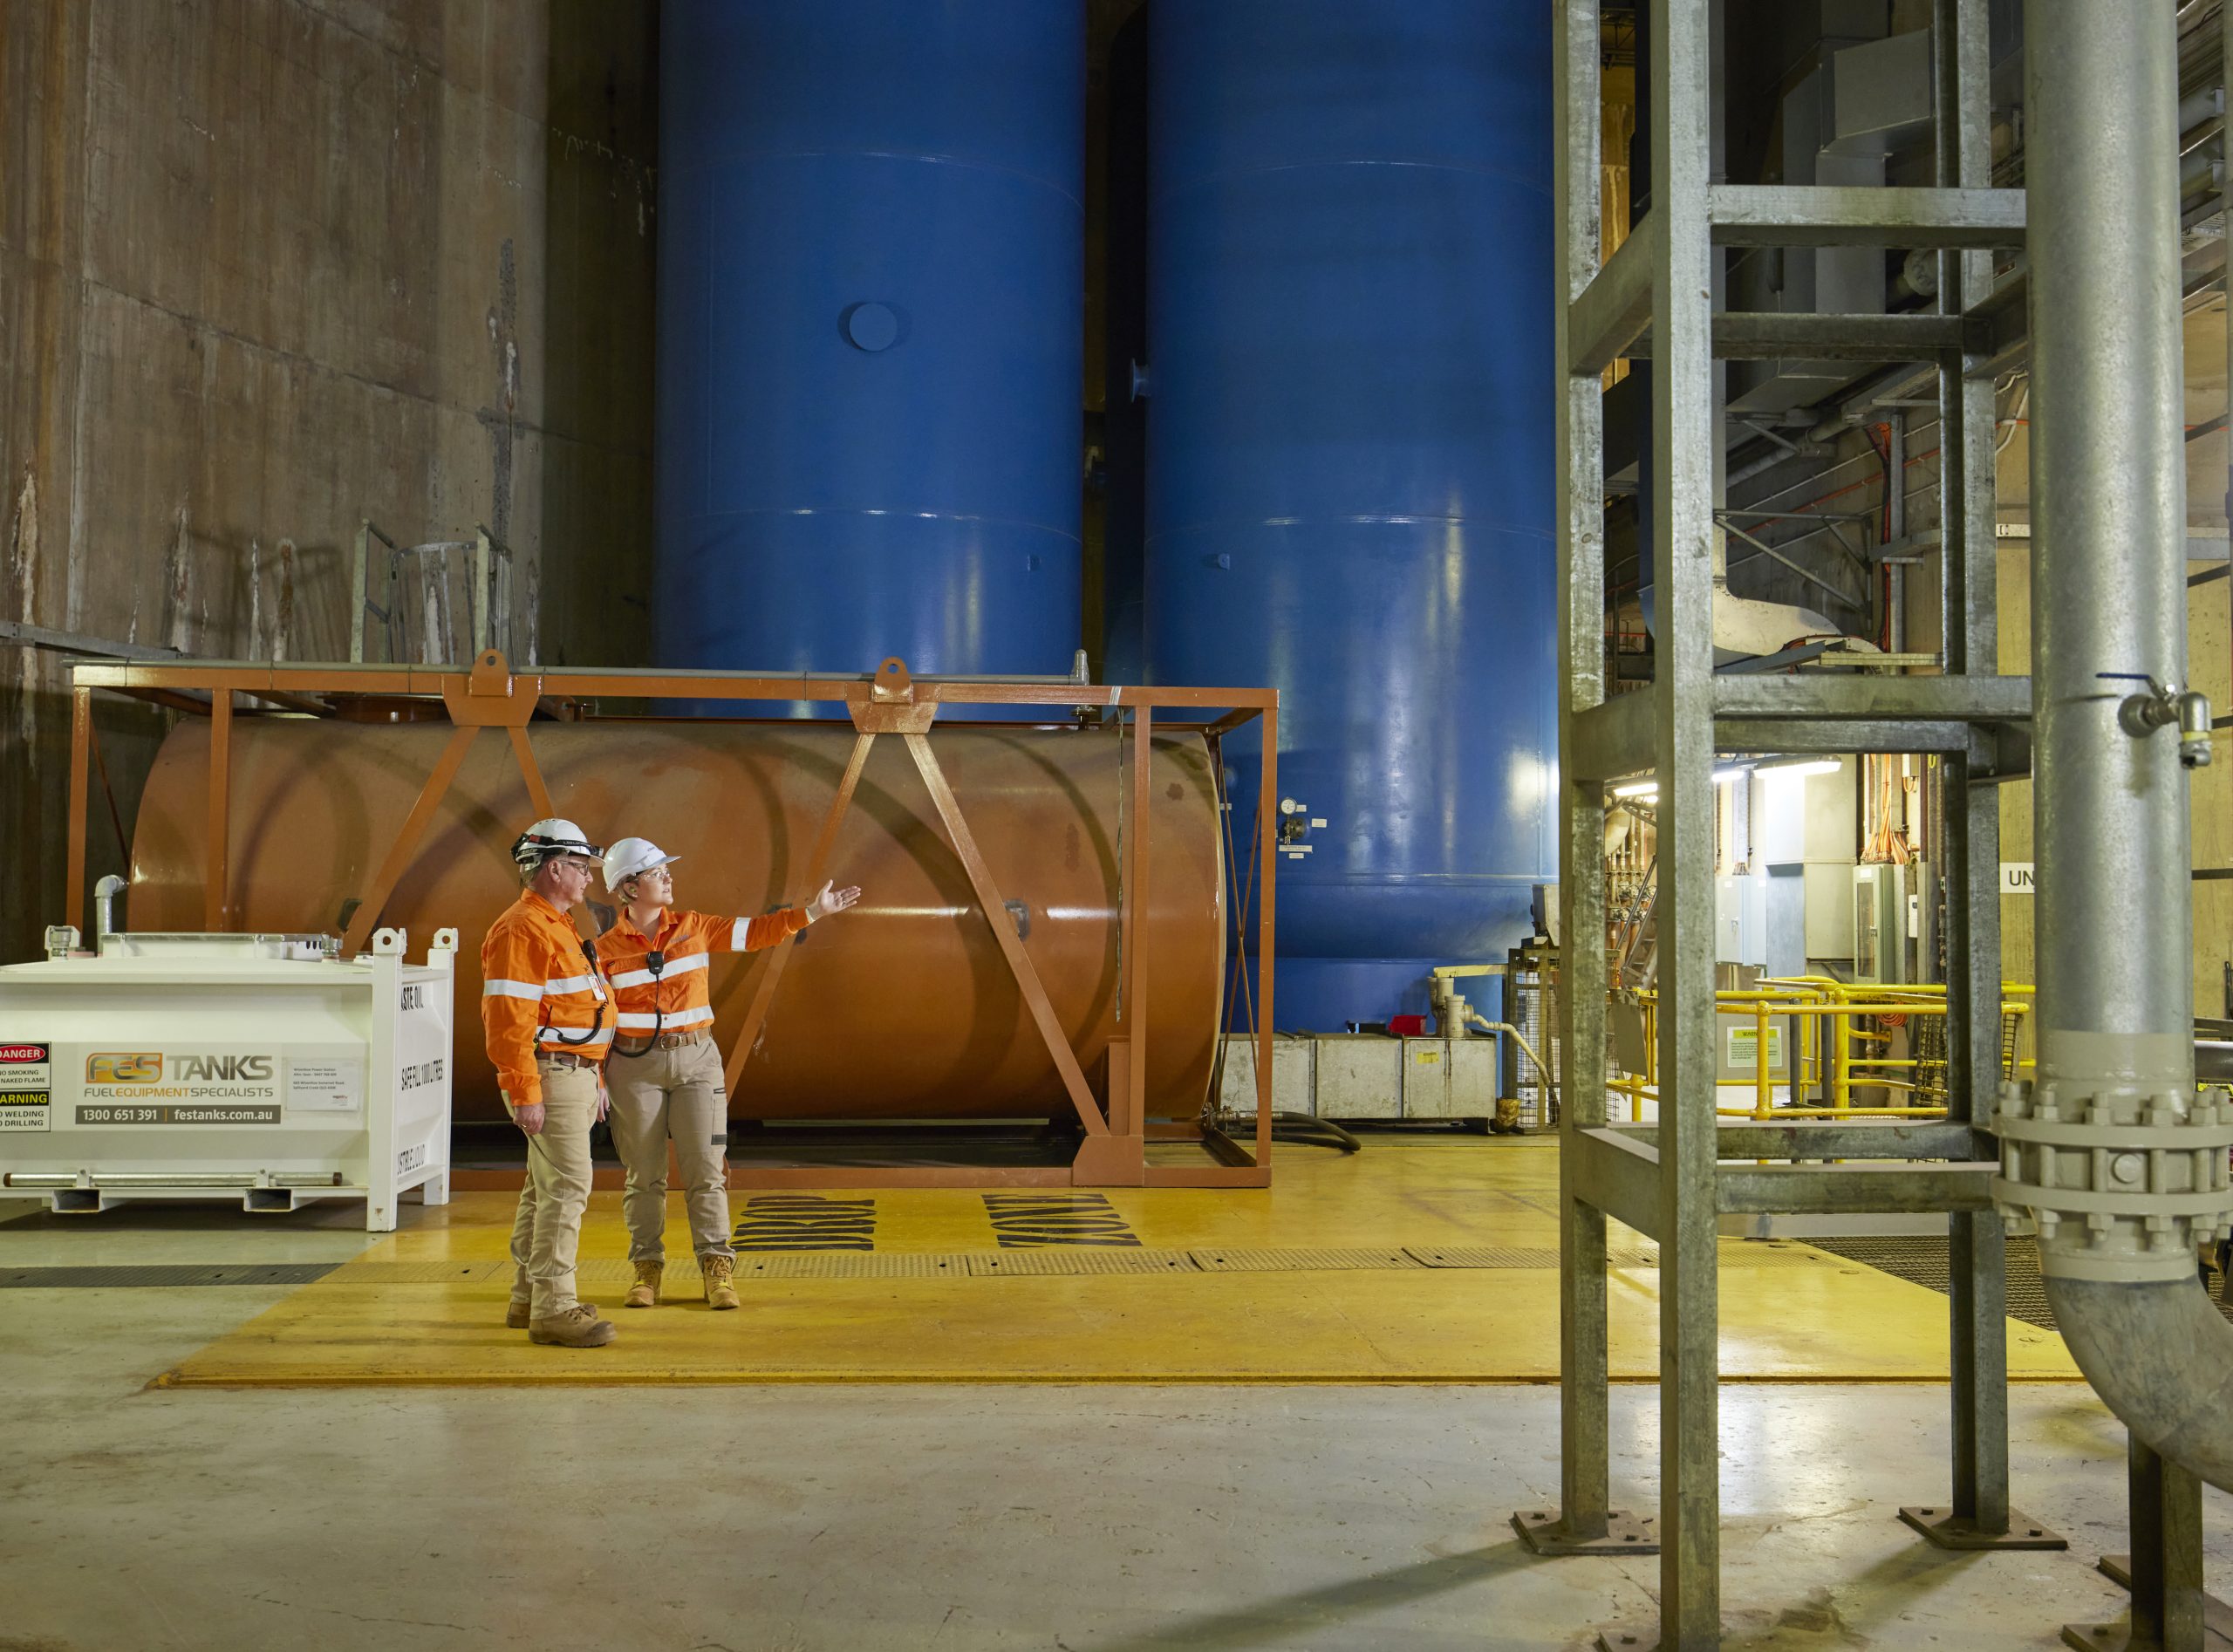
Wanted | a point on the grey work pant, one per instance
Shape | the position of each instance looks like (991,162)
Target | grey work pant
(547,1231)
(680,1093)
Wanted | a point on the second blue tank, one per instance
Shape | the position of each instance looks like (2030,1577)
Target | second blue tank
(870,271)
(1350,457)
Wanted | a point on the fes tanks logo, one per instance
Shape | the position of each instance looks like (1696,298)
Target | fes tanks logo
(146,1067)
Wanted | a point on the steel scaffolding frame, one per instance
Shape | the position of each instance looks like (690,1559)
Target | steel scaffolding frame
(1669,1181)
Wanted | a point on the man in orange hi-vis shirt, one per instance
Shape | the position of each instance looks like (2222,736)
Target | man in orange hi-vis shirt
(667,1071)
(546,1013)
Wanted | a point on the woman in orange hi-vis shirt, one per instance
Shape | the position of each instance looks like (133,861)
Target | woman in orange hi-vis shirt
(666,1075)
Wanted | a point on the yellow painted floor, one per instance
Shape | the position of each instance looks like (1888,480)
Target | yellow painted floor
(1413,1261)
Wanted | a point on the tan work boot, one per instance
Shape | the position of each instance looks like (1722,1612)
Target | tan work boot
(578,1327)
(517,1315)
(717,1271)
(645,1293)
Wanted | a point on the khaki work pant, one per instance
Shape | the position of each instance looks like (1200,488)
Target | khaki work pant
(682,1093)
(547,1231)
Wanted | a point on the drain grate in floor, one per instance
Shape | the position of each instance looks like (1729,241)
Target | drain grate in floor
(1518,1256)
(854,1264)
(1241,1260)
(141,1274)
(1923,1261)
(1068,1261)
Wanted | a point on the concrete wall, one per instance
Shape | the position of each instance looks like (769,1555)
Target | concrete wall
(271,267)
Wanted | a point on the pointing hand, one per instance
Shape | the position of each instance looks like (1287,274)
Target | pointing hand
(832,899)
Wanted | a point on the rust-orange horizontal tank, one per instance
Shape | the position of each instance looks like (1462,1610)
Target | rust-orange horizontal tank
(902,1008)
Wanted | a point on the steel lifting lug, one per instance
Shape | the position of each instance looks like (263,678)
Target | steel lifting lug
(2165,706)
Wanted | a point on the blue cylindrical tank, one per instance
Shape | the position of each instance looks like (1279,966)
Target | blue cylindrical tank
(1350,459)
(870,334)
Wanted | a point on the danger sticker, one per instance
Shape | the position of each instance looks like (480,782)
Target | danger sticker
(25,1067)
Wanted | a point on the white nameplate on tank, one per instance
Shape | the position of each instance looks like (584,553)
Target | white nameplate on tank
(326,1080)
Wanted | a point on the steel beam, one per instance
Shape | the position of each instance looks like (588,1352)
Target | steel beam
(2170,1612)
(1970,817)
(1610,739)
(1585,1518)
(1996,753)
(1683,415)
(1970,814)
(1951,699)
(1824,1189)
(1878,1138)
(1617,1176)
(1612,311)
(1836,215)
(71,641)
(1772,336)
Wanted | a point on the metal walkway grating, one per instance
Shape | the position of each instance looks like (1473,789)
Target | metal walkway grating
(1923,1262)
(123,1275)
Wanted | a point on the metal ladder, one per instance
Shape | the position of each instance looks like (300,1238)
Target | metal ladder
(1669,1181)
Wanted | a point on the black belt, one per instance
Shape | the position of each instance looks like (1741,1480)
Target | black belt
(658,1041)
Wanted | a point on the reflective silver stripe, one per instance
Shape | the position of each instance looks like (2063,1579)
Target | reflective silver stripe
(675,967)
(528,990)
(630,1021)
(588,983)
(737,934)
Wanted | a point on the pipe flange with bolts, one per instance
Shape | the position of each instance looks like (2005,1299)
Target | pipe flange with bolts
(2124,1183)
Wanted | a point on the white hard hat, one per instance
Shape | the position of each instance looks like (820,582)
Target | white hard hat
(631,856)
(549,839)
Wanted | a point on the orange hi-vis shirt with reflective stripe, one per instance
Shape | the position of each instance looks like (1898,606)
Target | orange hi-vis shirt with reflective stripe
(540,990)
(678,999)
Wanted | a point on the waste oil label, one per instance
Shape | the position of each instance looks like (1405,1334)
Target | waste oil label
(201,1084)
(806,1222)
(1034,1221)
(26,1086)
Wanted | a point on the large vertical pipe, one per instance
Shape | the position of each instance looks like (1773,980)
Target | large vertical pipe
(2108,535)
(2113,1152)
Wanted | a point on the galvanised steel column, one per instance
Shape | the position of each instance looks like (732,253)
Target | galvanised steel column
(1683,410)
(1584,1435)
(1969,617)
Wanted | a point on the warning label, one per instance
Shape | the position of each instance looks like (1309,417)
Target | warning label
(180,1113)
(27,1086)
(1745,1049)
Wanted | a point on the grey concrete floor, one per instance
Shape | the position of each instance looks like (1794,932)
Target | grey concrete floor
(1091,1519)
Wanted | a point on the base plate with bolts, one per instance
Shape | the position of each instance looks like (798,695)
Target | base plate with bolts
(1625,1533)
(1940,1525)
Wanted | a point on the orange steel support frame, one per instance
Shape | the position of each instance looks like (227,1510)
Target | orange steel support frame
(493,695)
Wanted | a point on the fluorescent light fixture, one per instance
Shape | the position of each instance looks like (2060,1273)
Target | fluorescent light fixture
(1802,766)
(1637,788)
(1732,772)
